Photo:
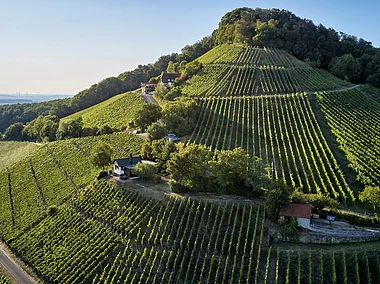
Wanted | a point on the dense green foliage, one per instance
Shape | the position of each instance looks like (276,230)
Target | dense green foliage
(302,38)
(280,129)
(239,70)
(116,235)
(12,152)
(196,168)
(4,279)
(116,112)
(354,119)
(371,194)
(49,176)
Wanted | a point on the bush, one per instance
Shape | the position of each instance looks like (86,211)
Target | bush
(157,179)
(177,187)
(355,219)
(102,174)
(52,210)
(145,171)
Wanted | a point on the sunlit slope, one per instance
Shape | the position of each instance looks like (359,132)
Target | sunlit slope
(283,131)
(115,112)
(355,121)
(50,176)
(238,70)
(12,152)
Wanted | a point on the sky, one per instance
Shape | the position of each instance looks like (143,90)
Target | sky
(65,46)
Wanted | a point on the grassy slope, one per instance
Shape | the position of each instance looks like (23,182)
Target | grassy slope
(12,152)
(116,112)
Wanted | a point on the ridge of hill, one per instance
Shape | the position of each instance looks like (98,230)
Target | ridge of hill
(240,70)
(115,112)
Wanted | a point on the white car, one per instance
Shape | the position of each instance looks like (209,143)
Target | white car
(173,138)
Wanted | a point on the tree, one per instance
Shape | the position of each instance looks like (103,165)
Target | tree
(145,170)
(160,91)
(101,157)
(147,115)
(278,195)
(70,128)
(158,151)
(14,132)
(230,168)
(157,130)
(371,194)
(190,167)
(317,200)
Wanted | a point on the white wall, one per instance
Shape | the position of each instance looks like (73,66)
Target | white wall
(303,222)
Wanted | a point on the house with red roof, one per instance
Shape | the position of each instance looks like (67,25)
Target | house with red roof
(300,211)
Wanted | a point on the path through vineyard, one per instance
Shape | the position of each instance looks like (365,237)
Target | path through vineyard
(14,269)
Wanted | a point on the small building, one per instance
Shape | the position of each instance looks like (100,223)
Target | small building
(301,211)
(124,167)
(168,79)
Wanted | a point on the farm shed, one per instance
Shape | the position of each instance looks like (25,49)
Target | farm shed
(301,211)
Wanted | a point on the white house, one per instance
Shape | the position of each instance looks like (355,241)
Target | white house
(123,167)
(301,211)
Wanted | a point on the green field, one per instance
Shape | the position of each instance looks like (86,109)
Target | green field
(116,112)
(12,152)
(116,235)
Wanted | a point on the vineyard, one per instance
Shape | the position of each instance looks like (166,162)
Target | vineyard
(355,121)
(280,129)
(233,70)
(3,279)
(115,112)
(115,235)
(50,176)
(12,152)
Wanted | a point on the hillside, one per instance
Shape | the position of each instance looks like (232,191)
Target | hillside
(115,112)
(12,152)
(50,176)
(239,70)
(114,235)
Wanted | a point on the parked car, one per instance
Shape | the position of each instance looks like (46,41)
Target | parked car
(135,131)
(173,138)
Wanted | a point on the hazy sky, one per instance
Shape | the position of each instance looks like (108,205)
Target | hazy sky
(65,46)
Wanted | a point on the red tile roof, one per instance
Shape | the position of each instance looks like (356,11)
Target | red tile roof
(296,210)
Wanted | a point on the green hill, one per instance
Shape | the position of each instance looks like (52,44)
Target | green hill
(110,235)
(238,70)
(12,152)
(49,176)
(116,112)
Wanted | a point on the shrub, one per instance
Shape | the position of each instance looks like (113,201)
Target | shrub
(102,174)
(157,179)
(177,187)
(52,210)
(145,171)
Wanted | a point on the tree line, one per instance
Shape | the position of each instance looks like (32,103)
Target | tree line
(345,56)
(105,89)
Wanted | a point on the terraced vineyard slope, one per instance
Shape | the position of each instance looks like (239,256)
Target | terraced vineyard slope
(238,70)
(355,121)
(12,152)
(116,112)
(283,131)
(50,176)
(115,235)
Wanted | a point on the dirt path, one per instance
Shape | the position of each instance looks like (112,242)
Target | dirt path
(345,89)
(149,99)
(14,269)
